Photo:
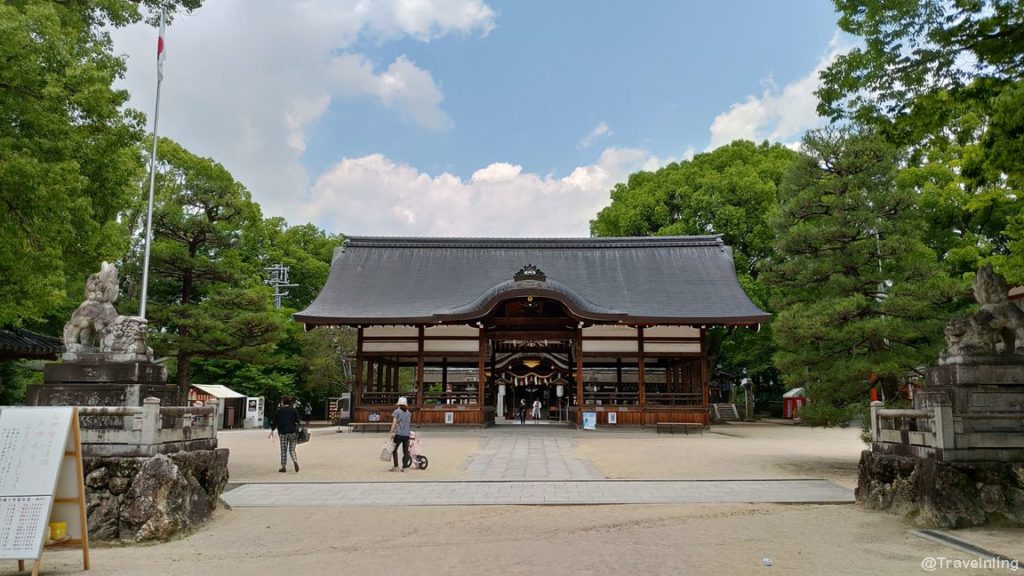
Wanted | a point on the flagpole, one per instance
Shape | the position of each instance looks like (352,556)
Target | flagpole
(152,169)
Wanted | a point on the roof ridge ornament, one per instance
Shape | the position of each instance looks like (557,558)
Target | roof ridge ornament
(530,272)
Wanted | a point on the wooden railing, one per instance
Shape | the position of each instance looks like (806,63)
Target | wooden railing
(625,398)
(451,398)
(391,398)
(632,398)
(674,399)
(147,430)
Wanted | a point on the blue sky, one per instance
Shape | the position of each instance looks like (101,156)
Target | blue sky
(473,118)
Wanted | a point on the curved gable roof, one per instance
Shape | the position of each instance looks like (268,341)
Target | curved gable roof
(666,280)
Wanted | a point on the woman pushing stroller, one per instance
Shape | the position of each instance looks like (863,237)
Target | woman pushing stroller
(401,422)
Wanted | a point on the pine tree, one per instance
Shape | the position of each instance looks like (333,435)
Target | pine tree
(861,298)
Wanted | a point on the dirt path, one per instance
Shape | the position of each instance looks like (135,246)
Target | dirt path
(585,540)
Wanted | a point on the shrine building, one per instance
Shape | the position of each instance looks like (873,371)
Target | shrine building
(614,326)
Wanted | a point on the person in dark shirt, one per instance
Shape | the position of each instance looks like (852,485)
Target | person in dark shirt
(286,422)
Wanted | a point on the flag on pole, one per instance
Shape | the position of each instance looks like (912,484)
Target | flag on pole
(161,54)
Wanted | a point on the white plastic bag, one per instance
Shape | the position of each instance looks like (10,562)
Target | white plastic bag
(385,452)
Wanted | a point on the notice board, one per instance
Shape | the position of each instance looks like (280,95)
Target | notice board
(40,480)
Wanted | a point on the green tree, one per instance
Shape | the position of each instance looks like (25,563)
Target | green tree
(207,300)
(305,249)
(730,191)
(858,292)
(945,79)
(69,151)
(307,365)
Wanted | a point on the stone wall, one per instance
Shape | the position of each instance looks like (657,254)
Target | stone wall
(144,499)
(938,494)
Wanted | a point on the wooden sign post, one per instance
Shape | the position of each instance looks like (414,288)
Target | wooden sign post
(41,483)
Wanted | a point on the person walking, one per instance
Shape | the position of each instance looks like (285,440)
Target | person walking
(522,410)
(401,422)
(308,412)
(286,422)
(536,409)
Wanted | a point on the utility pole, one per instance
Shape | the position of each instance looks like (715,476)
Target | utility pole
(277,276)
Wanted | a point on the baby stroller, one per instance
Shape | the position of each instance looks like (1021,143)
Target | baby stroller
(418,459)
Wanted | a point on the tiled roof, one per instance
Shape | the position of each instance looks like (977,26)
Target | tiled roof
(18,343)
(669,279)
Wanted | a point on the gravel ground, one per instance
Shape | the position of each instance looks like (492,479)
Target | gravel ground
(720,539)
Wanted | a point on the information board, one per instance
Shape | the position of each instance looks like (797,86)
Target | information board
(40,481)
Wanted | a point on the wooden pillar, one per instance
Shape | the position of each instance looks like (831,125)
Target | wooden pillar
(357,387)
(481,371)
(640,368)
(380,374)
(704,373)
(419,368)
(578,349)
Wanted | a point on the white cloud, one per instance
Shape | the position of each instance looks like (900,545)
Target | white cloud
(244,81)
(600,131)
(403,86)
(777,115)
(377,196)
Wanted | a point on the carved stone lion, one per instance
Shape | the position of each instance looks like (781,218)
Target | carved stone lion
(89,321)
(964,338)
(997,313)
(998,327)
(95,325)
(125,334)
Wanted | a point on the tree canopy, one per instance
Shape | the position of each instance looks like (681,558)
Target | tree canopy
(946,81)
(861,298)
(731,191)
(69,151)
(208,299)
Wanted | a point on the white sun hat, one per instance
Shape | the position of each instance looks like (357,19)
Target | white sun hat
(403,401)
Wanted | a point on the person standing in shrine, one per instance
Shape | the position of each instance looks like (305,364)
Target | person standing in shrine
(522,410)
(286,422)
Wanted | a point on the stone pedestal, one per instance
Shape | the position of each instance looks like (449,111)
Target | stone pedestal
(95,380)
(984,396)
(957,458)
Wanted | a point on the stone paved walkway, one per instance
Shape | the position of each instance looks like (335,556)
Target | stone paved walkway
(475,493)
(529,457)
(531,466)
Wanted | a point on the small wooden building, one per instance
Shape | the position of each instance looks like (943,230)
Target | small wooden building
(581,324)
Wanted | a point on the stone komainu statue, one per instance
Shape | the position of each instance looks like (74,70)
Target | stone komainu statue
(95,324)
(998,327)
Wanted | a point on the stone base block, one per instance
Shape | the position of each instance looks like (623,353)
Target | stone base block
(105,394)
(152,499)
(99,370)
(942,494)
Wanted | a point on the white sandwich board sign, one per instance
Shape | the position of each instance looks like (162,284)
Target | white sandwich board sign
(41,483)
